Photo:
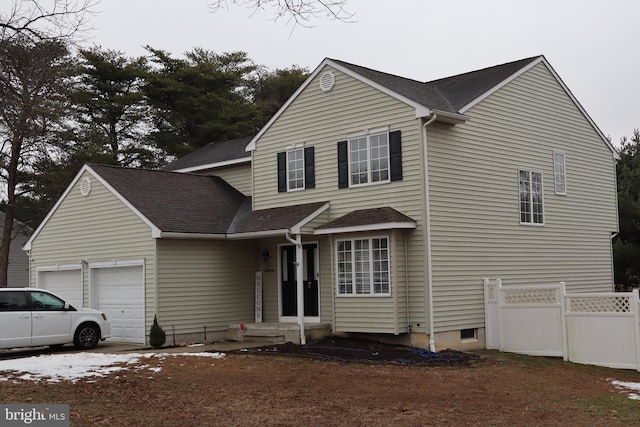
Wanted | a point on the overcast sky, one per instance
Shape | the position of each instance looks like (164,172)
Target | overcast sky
(593,45)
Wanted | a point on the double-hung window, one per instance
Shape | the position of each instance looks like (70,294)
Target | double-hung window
(531,200)
(369,158)
(296,168)
(363,266)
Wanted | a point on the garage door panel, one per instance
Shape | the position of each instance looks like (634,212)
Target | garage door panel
(65,283)
(120,293)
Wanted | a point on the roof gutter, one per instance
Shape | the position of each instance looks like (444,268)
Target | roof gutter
(427,206)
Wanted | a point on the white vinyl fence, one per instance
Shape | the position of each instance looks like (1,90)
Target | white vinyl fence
(593,328)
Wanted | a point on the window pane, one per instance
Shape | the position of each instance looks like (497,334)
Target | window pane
(525,200)
(559,174)
(536,196)
(345,274)
(379,157)
(359,161)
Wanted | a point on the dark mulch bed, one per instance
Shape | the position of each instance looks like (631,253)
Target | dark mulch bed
(345,350)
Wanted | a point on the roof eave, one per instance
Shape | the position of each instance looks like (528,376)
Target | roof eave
(194,236)
(409,225)
(216,165)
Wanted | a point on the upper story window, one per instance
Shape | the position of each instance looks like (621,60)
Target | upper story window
(371,156)
(369,159)
(296,168)
(531,200)
(559,173)
(363,266)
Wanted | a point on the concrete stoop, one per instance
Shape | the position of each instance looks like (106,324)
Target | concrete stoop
(276,332)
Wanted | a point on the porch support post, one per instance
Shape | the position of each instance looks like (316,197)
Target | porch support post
(299,284)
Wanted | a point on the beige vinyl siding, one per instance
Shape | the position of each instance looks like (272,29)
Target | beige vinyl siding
(97,228)
(475,199)
(239,176)
(321,120)
(205,283)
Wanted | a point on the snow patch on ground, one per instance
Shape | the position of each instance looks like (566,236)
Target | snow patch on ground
(77,366)
(628,387)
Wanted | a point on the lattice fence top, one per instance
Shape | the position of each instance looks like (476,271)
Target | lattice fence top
(611,304)
(531,296)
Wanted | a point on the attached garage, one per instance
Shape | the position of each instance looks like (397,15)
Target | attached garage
(65,282)
(118,291)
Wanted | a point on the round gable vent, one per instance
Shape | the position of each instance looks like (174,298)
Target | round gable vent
(85,186)
(327,81)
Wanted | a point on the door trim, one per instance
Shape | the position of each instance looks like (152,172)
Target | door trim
(294,319)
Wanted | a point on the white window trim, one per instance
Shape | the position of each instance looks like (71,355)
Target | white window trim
(368,133)
(564,168)
(544,211)
(371,294)
(291,149)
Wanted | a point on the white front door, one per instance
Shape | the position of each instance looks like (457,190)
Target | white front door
(120,295)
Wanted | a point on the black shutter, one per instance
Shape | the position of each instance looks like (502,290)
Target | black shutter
(309,168)
(395,155)
(282,172)
(343,165)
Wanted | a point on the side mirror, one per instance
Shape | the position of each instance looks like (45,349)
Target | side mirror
(66,306)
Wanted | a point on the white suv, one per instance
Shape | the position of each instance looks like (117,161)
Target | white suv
(32,317)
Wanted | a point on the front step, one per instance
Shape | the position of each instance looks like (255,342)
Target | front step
(263,336)
(275,332)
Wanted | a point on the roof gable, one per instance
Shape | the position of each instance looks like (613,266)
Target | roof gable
(167,202)
(449,97)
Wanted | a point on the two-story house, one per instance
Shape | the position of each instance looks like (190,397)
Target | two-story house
(370,203)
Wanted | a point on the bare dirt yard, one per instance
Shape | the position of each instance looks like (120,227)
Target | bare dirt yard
(272,387)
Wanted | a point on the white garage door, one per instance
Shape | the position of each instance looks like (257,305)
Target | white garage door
(65,283)
(120,292)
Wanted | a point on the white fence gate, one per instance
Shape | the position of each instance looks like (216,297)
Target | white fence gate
(593,328)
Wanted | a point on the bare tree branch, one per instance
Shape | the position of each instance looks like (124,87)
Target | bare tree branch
(41,20)
(300,12)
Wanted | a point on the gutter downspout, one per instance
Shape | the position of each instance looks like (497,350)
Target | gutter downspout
(427,205)
(299,286)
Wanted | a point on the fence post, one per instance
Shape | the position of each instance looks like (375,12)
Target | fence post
(563,320)
(635,307)
(500,300)
(491,315)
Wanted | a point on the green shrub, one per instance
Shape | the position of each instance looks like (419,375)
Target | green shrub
(157,337)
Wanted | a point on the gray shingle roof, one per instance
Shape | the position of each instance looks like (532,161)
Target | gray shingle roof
(212,153)
(362,217)
(281,218)
(188,203)
(176,202)
(448,94)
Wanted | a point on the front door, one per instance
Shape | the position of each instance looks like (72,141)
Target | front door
(288,285)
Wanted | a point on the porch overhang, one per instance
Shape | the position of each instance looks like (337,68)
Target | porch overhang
(274,222)
(384,218)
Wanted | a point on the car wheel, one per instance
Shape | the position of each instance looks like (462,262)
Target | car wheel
(86,337)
